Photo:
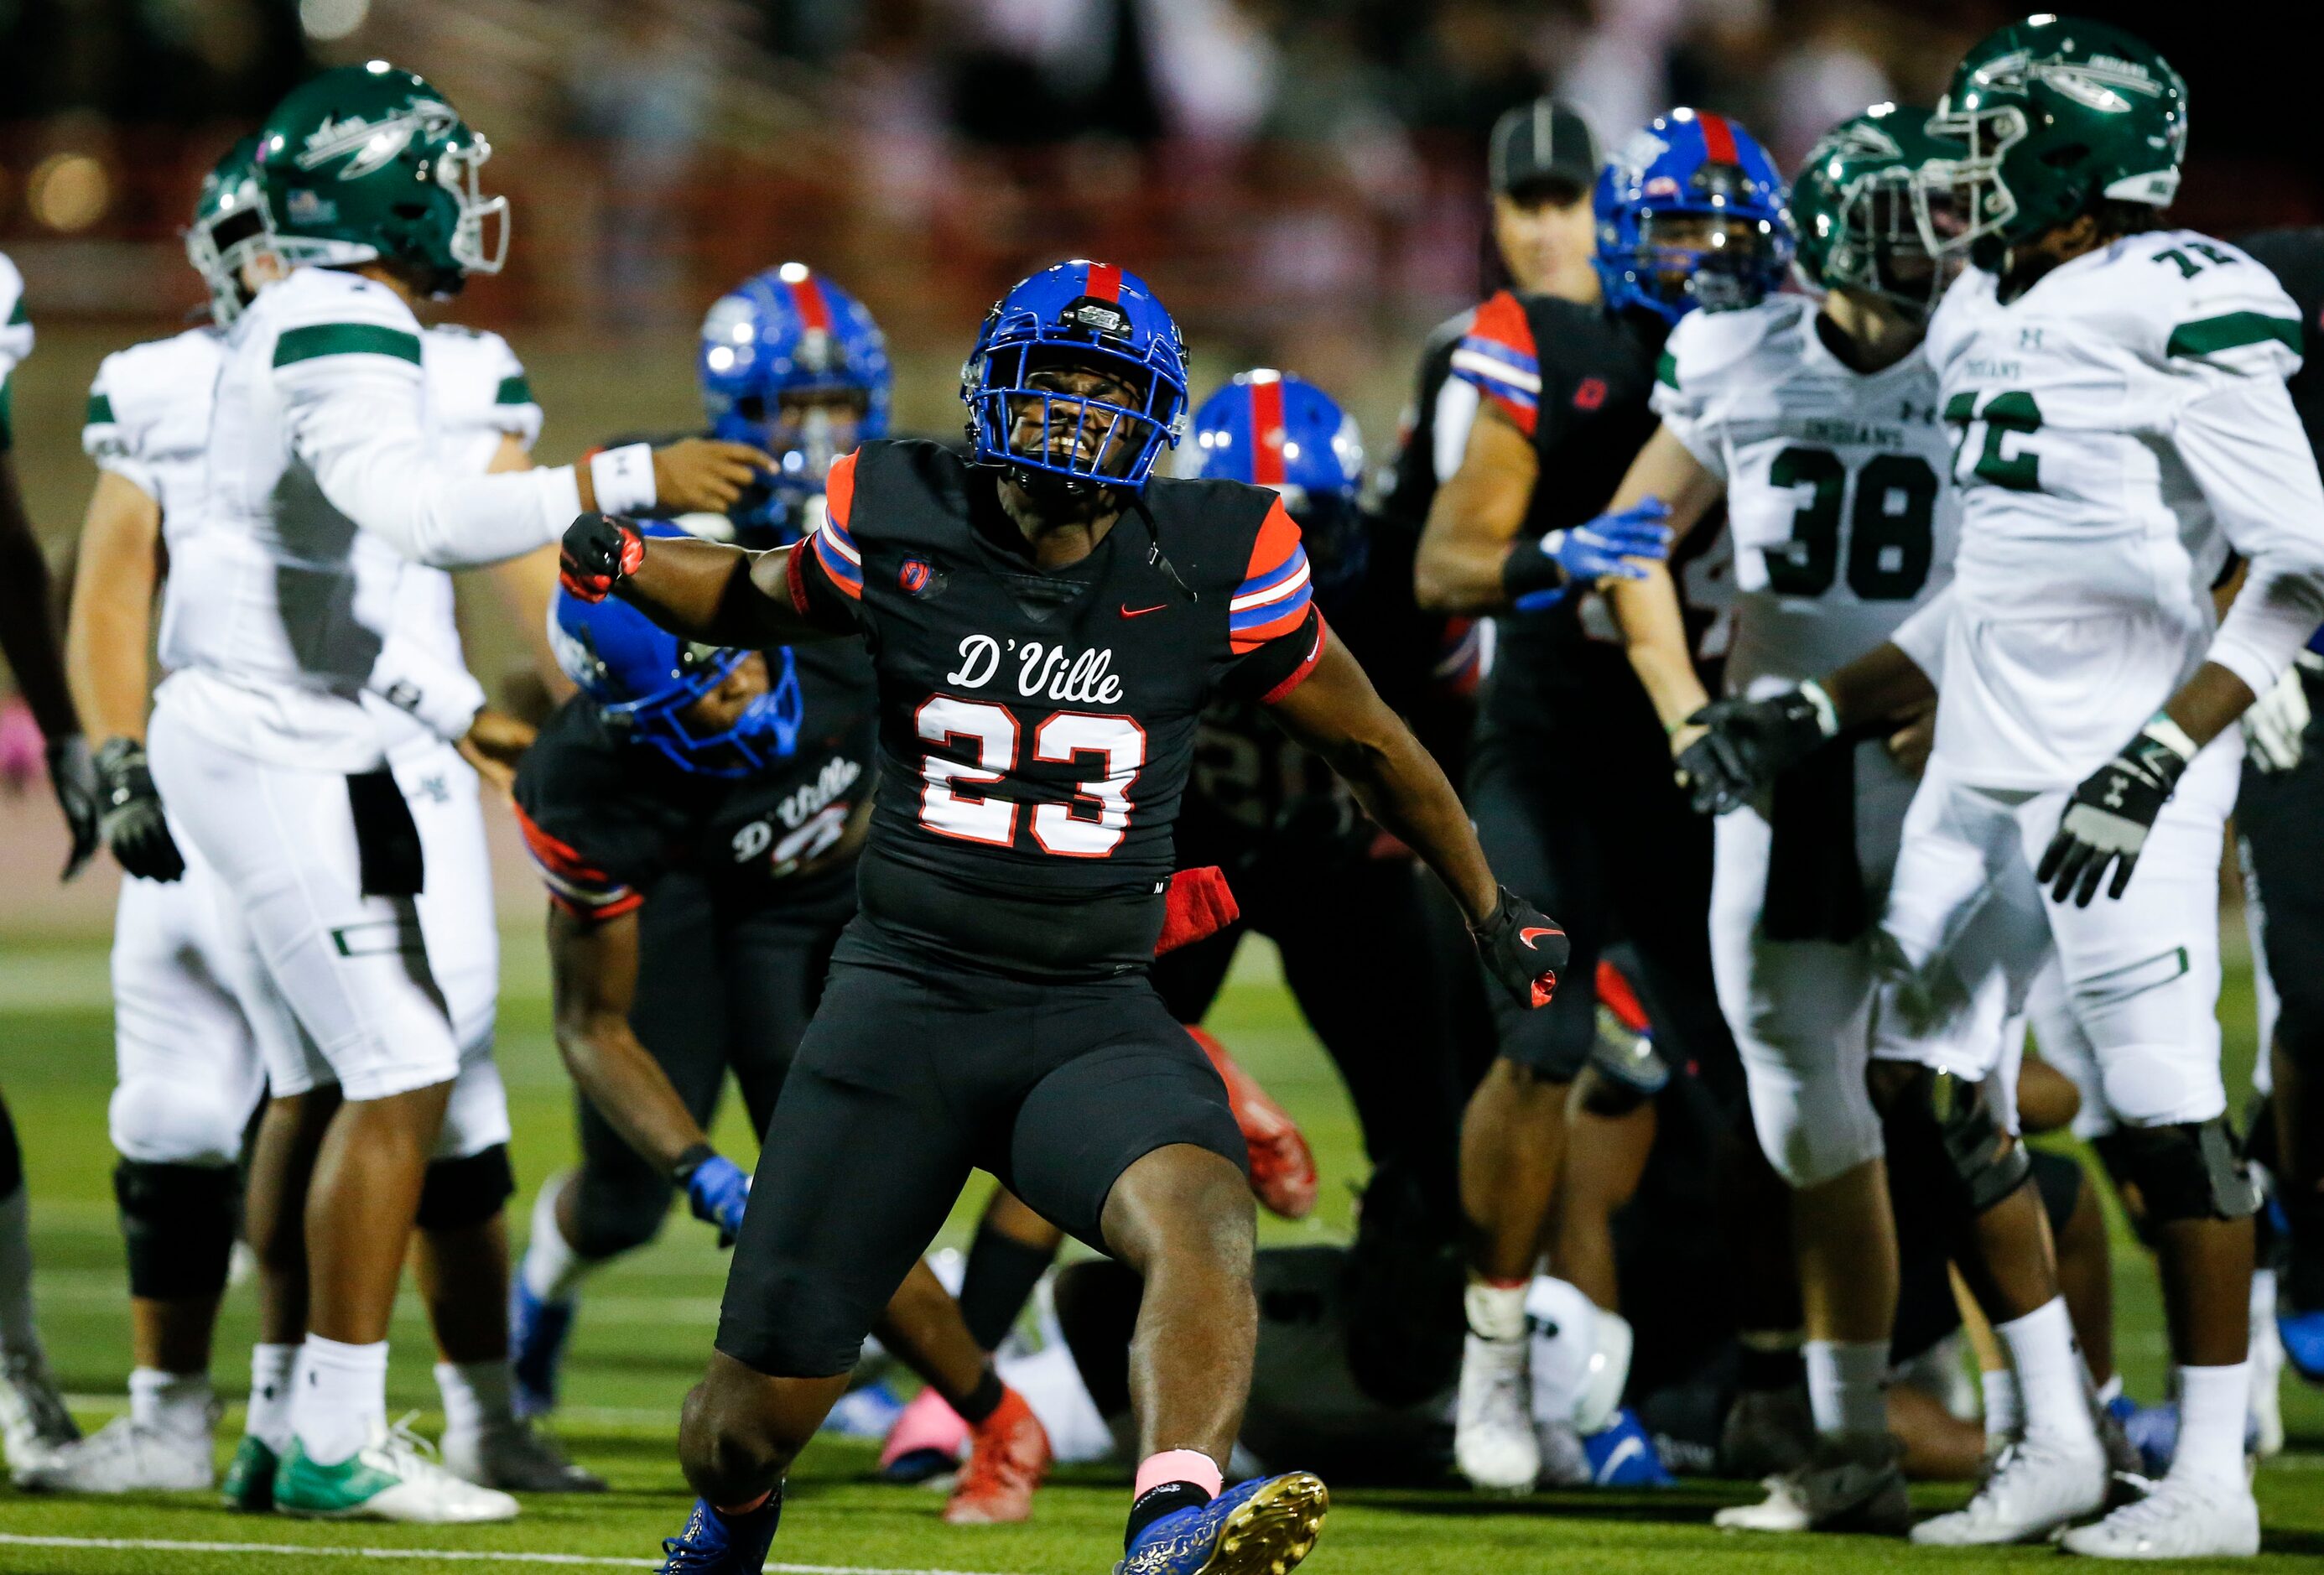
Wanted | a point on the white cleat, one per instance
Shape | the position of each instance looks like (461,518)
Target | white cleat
(35,1423)
(1841,1489)
(1493,1441)
(2179,1519)
(514,1456)
(2037,1486)
(391,1478)
(126,1457)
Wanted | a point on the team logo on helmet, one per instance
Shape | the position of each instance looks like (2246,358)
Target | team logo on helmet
(1098,316)
(374,144)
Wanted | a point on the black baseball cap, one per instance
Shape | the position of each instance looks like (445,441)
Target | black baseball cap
(1544,143)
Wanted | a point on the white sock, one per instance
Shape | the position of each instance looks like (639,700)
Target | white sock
(2213,1403)
(552,1270)
(1847,1380)
(1496,1311)
(267,1420)
(177,1403)
(475,1395)
(2263,1296)
(340,1397)
(2049,1375)
(2003,1416)
(18,1334)
(2109,1391)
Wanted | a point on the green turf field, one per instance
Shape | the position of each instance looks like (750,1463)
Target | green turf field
(647,1327)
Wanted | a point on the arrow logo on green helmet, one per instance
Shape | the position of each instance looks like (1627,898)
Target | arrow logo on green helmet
(374,142)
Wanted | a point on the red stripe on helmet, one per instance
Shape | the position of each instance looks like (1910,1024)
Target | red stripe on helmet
(1104,281)
(806,299)
(1718,138)
(1267,433)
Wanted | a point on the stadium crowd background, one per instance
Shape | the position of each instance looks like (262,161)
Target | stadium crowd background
(1300,179)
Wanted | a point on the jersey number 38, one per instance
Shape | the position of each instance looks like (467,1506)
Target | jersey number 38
(1090,826)
(1889,502)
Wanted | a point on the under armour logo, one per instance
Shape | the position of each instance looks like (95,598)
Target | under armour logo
(1906,410)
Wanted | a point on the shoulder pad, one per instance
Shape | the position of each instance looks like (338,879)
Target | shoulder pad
(1706,344)
(2201,305)
(133,387)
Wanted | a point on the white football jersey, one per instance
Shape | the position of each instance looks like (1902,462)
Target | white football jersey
(149,423)
(2122,426)
(15,334)
(1835,505)
(334,462)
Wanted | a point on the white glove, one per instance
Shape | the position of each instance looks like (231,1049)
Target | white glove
(2276,722)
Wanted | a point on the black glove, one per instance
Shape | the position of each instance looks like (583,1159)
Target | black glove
(2110,814)
(73,775)
(599,550)
(1750,743)
(132,823)
(1523,948)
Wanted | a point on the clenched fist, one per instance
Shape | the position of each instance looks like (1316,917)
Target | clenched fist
(598,551)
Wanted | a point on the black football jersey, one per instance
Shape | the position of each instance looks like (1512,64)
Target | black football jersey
(1415,477)
(1037,726)
(603,816)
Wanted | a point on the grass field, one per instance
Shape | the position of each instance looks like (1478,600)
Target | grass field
(647,1327)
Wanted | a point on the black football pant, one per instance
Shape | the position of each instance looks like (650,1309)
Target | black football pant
(1580,815)
(1383,970)
(726,982)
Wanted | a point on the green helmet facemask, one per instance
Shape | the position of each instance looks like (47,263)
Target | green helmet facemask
(229,228)
(369,163)
(2054,114)
(1855,201)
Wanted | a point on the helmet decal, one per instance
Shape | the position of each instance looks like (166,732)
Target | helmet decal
(1691,212)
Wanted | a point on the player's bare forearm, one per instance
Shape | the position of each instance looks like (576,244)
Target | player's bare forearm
(28,630)
(1884,683)
(594,971)
(718,595)
(2209,702)
(1653,625)
(1475,516)
(1338,715)
(110,628)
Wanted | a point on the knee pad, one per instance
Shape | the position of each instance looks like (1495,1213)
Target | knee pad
(462,1193)
(1938,1124)
(177,1222)
(175,1123)
(2193,1170)
(1811,1126)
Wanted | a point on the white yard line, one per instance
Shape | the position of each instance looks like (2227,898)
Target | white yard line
(464,1555)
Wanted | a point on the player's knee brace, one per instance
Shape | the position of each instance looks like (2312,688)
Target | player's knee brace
(178,1223)
(466,1191)
(1941,1125)
(2190,1170)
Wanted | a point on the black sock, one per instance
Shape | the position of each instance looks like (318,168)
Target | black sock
(1759,1368)
(1162,1498)
(983,1400)
(1001,1275)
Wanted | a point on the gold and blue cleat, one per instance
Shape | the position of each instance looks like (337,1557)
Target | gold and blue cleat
(1261,1527)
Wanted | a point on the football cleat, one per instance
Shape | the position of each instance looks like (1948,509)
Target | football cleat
(391,1478)
(1282,1167)
(125,1457)
(1493,1441)
(1769,1433)
(2177,1519)
(714,1543)
(1261,1527)
(926,1441)
(514,1456)
(1844,1487)
(249,1483)
(2037,1486)
(1623,1455)
(1008,1456)
(35,1423)
(538,1331)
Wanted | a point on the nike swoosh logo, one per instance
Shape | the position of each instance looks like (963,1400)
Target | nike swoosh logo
(1527,936)
(1129,612)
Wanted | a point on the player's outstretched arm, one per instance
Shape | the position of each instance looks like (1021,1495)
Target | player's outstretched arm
(1653,629)
(700,591)
(594,977)
(1336,713)
(28,635)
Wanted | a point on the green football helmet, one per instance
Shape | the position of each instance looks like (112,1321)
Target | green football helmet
(2054,114)
(229,227)
(1855,201)
(369,162)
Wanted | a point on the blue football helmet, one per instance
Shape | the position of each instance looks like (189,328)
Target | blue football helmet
(1277,429)
(644,678)
(1077,315)
(791,333)
(1691,213)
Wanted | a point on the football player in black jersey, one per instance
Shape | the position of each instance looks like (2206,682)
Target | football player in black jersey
(695,813)
(1048,625)
(1570,779)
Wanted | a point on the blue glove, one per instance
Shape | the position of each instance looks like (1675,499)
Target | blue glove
(718,1189)
(1541,573)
